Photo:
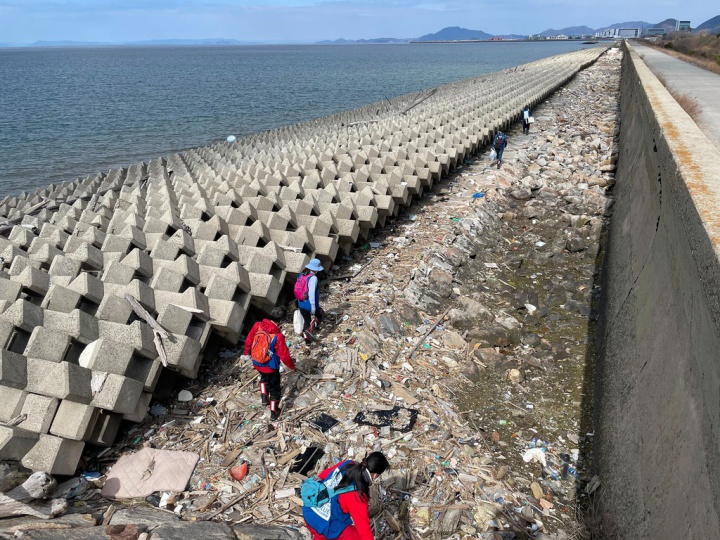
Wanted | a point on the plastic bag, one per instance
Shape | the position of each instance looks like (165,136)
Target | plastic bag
(493,154)
(298,322)
(531,120)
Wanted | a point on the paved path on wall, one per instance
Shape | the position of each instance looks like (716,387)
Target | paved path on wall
(689,79)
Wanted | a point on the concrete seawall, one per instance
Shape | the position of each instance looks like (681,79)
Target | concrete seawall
(658,394)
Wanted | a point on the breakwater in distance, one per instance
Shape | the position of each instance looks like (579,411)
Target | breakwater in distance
(69,112)
(197,238)
(658,391)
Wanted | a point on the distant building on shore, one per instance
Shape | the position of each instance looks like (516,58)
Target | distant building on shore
(682,26)
(621,33)
(653,32)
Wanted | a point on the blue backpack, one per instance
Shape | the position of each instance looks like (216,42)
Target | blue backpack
(315,494)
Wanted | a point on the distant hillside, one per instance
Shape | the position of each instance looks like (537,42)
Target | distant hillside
(455,33)
(211,41)
(569,31)
(711,25)
(362,41)
(630,24)
(667,24)
(66,44)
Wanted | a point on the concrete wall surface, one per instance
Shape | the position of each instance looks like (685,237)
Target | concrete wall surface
(658,392)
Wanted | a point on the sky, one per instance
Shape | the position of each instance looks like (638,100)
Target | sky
(292,21)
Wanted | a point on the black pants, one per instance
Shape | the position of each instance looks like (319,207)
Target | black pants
(307,317)
(272,380)
(526,126)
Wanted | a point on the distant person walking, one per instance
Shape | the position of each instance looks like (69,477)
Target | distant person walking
(499,144)
(265,346)
(526,120)
(307,293)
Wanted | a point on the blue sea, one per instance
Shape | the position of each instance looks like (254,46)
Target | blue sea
(69,112)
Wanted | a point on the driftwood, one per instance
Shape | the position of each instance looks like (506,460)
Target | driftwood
(28,499)
(422,339)
(159,333)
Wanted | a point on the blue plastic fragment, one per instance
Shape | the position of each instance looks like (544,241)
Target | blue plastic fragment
(478,195)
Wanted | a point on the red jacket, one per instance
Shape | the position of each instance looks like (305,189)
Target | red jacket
(281,348)
(355,504)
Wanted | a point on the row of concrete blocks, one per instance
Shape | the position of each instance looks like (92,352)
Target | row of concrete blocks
(158,199)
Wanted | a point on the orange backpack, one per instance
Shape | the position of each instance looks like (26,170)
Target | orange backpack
(260,349)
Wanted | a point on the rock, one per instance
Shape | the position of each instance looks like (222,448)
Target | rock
(454,340)
(536,490)
(407,314)
(185,396)
(369,342)
(193,530)
(514,375)
(440,283)
(143,515)
(575,244)
(470,370)
(388,325)
(521,194)
(509,322)
(531,340)
(267,532)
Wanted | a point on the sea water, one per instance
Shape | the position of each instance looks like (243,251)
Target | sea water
(69,112)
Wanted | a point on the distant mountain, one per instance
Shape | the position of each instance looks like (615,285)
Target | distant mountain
(667,24)
(66,44)
(362,41)
(569,31)
(455,33)
(630,24)
(211,41)
(711,25)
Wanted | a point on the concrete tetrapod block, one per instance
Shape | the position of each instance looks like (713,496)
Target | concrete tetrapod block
(54,455)
(24,315)
(146,371)
(59,379)
(13,370)
(114,309)
(183,353)
(10,289)
(15,443)
(78,324)
(59,298)
(119,394)
(106,429)
(73,420)
(89,287)
(138,335)
(40,411)
(175,319)
(106,355)
(11,403)
(226,315)
(47,345)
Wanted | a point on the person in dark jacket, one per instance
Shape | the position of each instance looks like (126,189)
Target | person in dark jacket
(270,390)
(346,517)
(526,120)
(310,308)
(499,144)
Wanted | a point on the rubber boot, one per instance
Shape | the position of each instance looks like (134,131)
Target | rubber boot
(274,410)
(264,394)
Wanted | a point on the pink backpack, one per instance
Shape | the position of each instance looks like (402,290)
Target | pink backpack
(301,287)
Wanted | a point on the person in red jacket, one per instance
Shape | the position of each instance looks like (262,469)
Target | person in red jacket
(346,516)
(277,350)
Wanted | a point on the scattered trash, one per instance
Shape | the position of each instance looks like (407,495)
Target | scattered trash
(398,418)
(478,195)
(239,472)
(324,422)
(148,471)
